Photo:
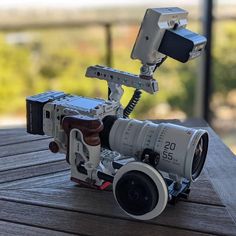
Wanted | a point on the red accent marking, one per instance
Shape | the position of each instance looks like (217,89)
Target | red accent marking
(88,185)
(104,185)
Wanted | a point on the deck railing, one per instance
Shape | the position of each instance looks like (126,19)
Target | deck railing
(204,95)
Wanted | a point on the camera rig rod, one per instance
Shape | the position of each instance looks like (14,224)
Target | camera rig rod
(146,83)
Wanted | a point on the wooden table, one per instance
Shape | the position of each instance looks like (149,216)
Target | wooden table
(38,198)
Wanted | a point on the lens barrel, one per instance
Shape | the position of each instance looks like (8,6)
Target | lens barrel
(180,150)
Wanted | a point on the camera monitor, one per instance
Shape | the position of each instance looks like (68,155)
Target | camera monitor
(163,33)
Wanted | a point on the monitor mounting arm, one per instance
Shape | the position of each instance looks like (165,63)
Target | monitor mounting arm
(162,33)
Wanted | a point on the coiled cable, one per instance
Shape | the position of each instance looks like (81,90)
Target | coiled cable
(132,103)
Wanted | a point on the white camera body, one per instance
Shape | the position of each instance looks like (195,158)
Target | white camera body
(67,105)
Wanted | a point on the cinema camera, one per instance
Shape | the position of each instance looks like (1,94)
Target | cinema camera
(148,164)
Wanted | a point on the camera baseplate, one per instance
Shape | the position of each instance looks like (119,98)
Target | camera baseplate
(177,190)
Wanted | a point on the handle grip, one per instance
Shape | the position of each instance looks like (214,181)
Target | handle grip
(89,127)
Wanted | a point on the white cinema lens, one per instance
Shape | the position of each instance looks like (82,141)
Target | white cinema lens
(170,148)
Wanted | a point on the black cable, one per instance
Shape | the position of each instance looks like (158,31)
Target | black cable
(132,103)
(160,63)
(100,174)
(105,176)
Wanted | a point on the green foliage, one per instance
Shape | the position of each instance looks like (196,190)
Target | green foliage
(224,69)
(14,78)
(184,99)
(57,60)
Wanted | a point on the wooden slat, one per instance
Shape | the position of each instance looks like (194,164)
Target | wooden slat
(32,171)
(183,215)
(20,139)
(51,179)
(51,189)
(12,131)
(202,191)
(13,229)
(220,170)
(17,135)
(81,223)
(20,148)
(29,159)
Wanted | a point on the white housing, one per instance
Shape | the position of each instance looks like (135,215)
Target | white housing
(154,24)
(175,145)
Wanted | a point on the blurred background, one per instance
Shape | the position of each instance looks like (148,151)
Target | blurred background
(48,44)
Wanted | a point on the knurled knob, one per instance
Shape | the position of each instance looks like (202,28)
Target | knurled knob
(53,146)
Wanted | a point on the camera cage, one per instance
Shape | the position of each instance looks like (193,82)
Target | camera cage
(76,123)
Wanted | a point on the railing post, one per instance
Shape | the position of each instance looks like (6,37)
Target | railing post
(108,41)
(204,86)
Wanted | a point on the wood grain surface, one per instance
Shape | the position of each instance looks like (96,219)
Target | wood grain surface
(38,198)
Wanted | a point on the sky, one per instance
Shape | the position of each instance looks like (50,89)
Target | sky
(94,3)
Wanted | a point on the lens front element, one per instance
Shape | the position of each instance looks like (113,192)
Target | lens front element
(199,156)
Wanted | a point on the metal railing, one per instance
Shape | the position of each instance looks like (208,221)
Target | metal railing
(205,80)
